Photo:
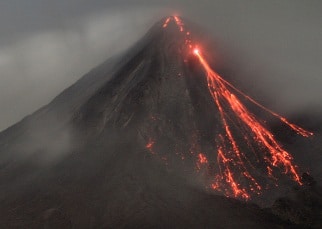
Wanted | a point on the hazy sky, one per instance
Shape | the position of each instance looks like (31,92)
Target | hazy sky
(274,46)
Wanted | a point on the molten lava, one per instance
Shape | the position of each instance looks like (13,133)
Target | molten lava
(166,22)
(202,158)
(236,174)
(149,146)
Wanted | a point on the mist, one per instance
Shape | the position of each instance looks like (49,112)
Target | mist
(273,49)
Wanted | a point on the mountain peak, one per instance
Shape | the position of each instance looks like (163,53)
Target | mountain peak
(148,126)
(178,104)
(169,31)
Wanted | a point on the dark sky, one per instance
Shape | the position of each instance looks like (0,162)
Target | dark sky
(274,46)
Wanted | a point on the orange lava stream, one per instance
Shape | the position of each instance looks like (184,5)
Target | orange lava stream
(229,156)
(218,90)
(297,129)
(235,160)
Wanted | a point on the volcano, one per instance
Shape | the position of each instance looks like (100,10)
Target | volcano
(151,138)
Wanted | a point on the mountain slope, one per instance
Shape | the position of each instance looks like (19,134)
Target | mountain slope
(119,149)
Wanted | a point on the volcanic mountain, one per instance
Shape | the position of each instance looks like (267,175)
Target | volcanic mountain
(151,138)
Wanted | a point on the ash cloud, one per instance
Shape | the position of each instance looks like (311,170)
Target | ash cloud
(272,49)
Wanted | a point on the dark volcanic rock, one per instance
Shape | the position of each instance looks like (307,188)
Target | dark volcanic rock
(53,218)
(302,206)
(81,161)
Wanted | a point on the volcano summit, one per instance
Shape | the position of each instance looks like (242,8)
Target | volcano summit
(151,138)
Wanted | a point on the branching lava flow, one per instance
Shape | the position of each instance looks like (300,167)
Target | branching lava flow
(236,176)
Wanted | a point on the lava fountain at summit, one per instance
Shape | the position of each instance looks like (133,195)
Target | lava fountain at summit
(236,176)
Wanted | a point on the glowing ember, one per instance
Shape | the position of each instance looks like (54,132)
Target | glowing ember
(150,145)
(202,158)
(237,173)
(166,22)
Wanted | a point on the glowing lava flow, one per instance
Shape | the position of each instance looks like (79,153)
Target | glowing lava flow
(297,129)
(236,176)
(278,157)
(166,22)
